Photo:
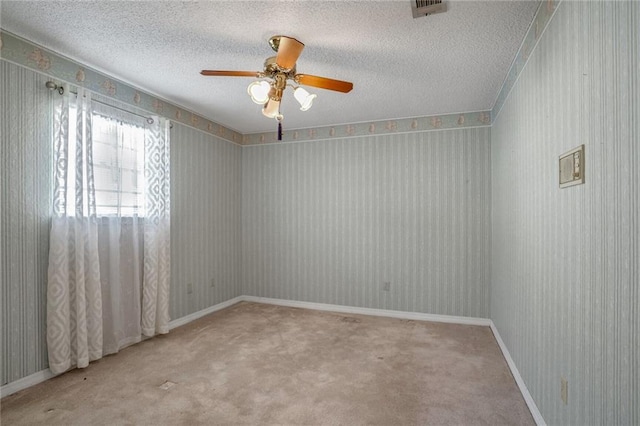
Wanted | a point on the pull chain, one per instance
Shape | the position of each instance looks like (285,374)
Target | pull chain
(279,118)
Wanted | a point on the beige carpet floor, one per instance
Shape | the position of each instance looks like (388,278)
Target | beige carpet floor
(262,364)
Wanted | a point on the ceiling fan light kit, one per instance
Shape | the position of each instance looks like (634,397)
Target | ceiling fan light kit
(304,98)
(259,91)
(271,109)
(277,70)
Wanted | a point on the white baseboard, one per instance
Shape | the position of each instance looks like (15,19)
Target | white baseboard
(369,311)
(537,416)
(43,375)
(25,382)
(533,408)
(211,309)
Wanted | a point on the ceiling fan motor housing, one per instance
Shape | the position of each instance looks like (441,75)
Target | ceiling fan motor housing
(277,86)
(271,68)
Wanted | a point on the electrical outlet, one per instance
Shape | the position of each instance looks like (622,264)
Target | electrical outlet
(189,288)
(564,390)
(213,283)
(386,286)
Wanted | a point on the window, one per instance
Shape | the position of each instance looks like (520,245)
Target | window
(113,270)
(118,163)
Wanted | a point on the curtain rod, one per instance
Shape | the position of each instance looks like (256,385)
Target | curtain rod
(60,89)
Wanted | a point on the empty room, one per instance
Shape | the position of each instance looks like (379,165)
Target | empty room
(395,212)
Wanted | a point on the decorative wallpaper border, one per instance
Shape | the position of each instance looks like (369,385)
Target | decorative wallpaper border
(22,52)
(384,127)
(542,17)
(25,53)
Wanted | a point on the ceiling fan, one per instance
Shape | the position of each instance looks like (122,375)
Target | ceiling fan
(277,71)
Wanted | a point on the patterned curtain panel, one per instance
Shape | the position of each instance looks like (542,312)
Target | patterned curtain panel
(74,301)
(155,294)
(109,256)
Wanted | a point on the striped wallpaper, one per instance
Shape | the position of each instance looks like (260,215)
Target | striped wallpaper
(26,208)
(205,220)
(205,225)
(565,293)
(463,222)
(332,221)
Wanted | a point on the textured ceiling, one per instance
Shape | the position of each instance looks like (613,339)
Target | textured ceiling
(401,67)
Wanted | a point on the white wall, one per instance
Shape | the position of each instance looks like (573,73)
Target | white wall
(565,291)
(331,221)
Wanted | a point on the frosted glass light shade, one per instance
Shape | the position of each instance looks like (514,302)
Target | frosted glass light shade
(259,91)
(271,109)
(304,98)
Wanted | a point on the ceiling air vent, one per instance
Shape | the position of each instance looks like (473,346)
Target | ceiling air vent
(427,7)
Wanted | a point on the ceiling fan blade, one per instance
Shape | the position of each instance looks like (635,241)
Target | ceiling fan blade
(324,83)
(288,52)
(217,73)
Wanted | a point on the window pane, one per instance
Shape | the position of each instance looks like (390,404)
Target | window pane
(118,167)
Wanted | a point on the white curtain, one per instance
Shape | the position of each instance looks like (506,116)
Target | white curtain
(74,300)
(109,256)
(119,187)
(155,295)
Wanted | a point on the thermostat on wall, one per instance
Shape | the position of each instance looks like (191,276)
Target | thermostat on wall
(572,167)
